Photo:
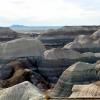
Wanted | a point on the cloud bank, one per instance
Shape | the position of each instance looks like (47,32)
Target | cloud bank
(50,12)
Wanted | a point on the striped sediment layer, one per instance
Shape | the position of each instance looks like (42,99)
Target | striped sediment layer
(26,51)
(78,73)
(85,43)
(6,34)
(59,37)
(54,62)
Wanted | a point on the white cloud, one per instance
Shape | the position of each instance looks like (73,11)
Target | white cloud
(44,12)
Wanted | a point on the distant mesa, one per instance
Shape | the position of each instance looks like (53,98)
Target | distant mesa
(19,26)
(31,29)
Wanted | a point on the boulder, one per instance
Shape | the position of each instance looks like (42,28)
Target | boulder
(22,91)
(86,91)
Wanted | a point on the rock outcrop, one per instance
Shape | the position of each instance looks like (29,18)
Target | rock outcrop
(51,69)
(21,48)
(70,55)
(84,43)
(7,34)
(59,37)
(56,60)
(81,41)
(49,66)
(22,91)
(55,38)
(86,91)
(17,71)
(78,73)
(19,74)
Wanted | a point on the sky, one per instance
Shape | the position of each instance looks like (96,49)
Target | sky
(49,12)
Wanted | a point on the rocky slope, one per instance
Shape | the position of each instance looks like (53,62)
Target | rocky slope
(22,91)
(49,65)
(71,71)
(86,91)
(61,36)
(7,34)
(56,60)
(21,47)
(78,73)
(85,43)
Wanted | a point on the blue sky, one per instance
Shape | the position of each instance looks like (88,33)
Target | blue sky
(49,12)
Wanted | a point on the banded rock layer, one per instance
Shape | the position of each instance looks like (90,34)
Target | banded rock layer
(21,48)
(78,73)
(59,37)
(84,43)
(56,60)
(6,34)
